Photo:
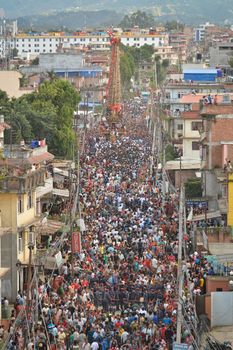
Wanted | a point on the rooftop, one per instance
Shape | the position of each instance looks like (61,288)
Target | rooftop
(217,109)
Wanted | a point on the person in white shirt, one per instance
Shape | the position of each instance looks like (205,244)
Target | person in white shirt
(94,345)
(124,336)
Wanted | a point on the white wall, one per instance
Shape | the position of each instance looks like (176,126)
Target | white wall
(221,309)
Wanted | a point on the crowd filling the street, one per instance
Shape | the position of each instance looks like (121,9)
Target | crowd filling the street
(121,290)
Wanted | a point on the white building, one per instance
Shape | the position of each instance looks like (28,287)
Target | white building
(30,46)
(199,33)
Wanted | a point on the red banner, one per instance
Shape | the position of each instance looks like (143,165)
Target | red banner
(76,242)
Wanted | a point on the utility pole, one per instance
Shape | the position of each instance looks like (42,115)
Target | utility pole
(180,272)
(156,76)
(30,247)
(163,175)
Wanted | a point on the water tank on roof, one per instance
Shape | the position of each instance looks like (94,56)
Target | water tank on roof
(34,144)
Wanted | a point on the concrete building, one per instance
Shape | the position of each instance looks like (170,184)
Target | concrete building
(70,66)
(10,83)
(199,33)
(30,46)
(220,54)
(179,43)
(216,152)
(23,172)
(192,125)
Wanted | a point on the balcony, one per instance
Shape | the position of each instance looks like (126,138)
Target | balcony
(45,189)
(22,183)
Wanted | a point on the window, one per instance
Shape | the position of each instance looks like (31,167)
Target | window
(20,242)
(224,191)
(20,204)
(30,201)
(180,127)
(196,126)
(31,235)
(195,146)
(187,107)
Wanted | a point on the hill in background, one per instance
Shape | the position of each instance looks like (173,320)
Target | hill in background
(186,11)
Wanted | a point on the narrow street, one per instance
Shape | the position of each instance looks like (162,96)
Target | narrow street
(121,290)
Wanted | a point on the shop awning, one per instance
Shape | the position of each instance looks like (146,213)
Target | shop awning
(209,215)
(61,192)
(49,227)
(51,264)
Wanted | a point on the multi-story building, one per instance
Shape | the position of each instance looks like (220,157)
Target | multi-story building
(179,43)
(221,53)
(199,33)
(167,53)
(217,151)
(29,46)
(23,182)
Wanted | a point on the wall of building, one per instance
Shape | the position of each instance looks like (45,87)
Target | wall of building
(188,152)
(230,200)
(9,82)
(31,46)
(185,175)
(10,242)
(217,282)
(220,57)
(28,214)
(8,208)
(221,130)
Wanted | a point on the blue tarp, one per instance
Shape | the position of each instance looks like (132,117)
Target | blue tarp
(200,74)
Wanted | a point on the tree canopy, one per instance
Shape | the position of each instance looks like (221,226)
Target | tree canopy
(47,113)
(139,18)
(174,25)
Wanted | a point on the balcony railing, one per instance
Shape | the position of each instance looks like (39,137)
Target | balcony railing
(45,189)
(23,183)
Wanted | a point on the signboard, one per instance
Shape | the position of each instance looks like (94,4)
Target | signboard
(76,242)
(59,259)
(177,346)
(196,203)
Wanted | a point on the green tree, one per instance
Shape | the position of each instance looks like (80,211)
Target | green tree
(35,62)
(46,113)
(170,153)
(174,25)
(193,188)
(15,52)
(230,61)
(127,68)
(53,106)
(138,18)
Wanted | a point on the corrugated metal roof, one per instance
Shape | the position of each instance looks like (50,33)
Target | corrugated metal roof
(200,71)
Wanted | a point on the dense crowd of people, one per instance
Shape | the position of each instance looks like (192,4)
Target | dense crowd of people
(120,292)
